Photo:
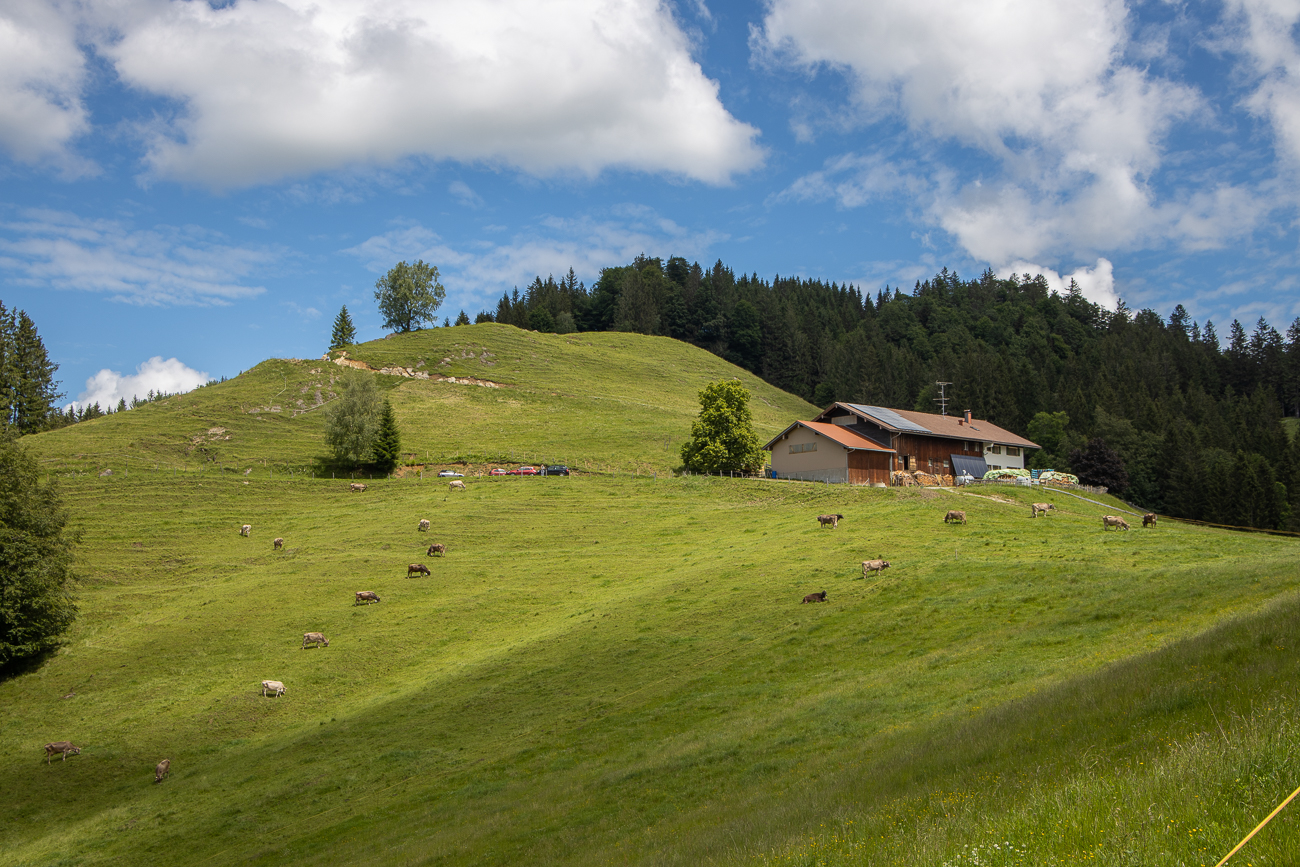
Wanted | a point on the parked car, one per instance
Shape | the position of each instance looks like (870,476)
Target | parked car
(524,471)
(555,470)
(497,471)
(450,474)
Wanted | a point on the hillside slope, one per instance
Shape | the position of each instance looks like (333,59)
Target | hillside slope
(609,401)
(600,670)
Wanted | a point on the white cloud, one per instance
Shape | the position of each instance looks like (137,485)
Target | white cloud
(1265,36)
(464,194)
(1047,137)
(283,88)
(160,266)
(41,75)
(479,275)
(1097,283)
(171,377)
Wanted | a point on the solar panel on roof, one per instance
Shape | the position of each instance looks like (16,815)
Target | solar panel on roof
(889,417)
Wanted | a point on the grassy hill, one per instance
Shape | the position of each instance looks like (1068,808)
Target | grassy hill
(619,670)
(622,402)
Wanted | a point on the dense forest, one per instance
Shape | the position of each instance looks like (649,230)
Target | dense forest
(1153,407)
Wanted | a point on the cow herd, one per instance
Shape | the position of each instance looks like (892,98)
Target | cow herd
(957,516)
(275,688)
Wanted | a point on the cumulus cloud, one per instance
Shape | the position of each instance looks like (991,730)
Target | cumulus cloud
(165,265)
(42,71)
(280,88)
(170,377)
(1097,283)
(1266,37)
(480,273)
(1047,136)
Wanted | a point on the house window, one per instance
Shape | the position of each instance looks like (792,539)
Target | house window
(844,420)
(1013,451)
(995,450)
(994,467)
(803,447)
(945,464)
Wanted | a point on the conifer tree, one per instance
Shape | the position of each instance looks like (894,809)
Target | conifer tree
(36,605)
(462,318)
(388,442)
(345,334)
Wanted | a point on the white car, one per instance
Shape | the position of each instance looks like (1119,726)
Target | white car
(450,474)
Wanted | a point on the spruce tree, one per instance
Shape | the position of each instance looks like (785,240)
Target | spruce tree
(36,605)
(345,334)
(463,318)
(388,442)
(34,389)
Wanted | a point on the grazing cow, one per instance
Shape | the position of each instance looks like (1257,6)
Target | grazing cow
(954,515)
(356,487)
(436,548)
(246,530)
(815,597)
(276,688)
(1149,519)
(417,569)
(832,520)
(314,638)
(278,543)
(456,485)
(424,525)
(1108,521)
(1041,507)
(877,566)
(64,747)
(163,769)
(366,596)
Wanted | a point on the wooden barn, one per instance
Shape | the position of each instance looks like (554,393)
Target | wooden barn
(861,445)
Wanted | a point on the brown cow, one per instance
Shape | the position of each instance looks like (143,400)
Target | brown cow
(815,597)
(877,566)
(436,548)
(163,769)
(1149,519)
(417,569)
(1108,521)
(64,747)
(954,515)
(832,520)
(314,638)
(366,596)
(424,525)
(277,543)
(1041,507)
(356,487)
(456,485)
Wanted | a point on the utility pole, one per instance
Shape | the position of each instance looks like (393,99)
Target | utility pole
(942,399)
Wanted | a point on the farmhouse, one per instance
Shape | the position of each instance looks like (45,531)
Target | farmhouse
(861,445)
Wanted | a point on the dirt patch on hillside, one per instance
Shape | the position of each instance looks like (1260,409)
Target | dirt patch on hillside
(415,373)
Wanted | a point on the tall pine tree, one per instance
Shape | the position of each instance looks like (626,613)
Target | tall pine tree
(388,443)
(345,334)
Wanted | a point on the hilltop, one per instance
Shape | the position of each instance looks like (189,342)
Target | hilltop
(495,393)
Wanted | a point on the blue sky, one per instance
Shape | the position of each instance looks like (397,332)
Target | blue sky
(191,187)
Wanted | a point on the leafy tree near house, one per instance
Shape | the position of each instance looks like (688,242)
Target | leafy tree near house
(1098,464)
(36,604)
(352,421)
(387,448)
(409,294)
(722,437)
(345,333)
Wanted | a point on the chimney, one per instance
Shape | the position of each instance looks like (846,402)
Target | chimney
(967,416)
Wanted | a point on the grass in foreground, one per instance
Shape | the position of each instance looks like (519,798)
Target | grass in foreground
(616,670)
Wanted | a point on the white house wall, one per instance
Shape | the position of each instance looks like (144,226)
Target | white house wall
(1003,460)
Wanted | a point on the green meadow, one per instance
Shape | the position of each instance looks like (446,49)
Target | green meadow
(618,668)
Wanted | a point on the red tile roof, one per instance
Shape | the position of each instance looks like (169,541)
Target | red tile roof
(838,433)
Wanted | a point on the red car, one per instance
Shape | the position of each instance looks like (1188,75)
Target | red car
(524,471)
(497,471)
